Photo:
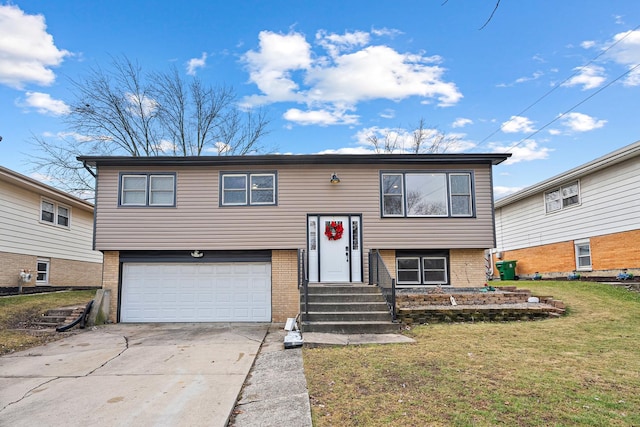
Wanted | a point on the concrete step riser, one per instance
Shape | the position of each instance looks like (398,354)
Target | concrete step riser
(329,289)
(333,307)
(351,328)
(369,316)
(328,298)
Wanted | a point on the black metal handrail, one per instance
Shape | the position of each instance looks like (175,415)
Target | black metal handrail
(303,279)
(379,275)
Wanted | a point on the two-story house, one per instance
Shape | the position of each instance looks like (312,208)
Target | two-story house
(585,220)
(47,233)
(217,238)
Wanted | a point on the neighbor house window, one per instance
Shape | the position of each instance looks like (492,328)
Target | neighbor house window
(245,189)
(583,255)
(426,194)
(42,271)
(146,189)
(562,197)
(55,214)
(421,269)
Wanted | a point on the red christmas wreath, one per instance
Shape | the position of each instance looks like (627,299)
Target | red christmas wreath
(334,230)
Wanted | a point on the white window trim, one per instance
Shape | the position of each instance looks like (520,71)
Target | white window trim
(582,242)
(47,272)
(55,222)
(447,174)
(273,189)
(559,189)
(402,197)
(147,190)
(446,276)
(469,195)
(248,196)
(419,270)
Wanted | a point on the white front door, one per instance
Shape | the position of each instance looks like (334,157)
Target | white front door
(334,248)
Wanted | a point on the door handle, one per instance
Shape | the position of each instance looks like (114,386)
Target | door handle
(346,252)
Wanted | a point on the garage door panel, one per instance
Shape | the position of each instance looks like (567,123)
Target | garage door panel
(233,292)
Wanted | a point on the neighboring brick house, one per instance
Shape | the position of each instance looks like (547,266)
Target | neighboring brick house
(217,238)
(47,232)
(585,220)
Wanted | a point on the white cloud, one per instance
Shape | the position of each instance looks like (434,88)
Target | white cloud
(27,51)
(587,44)
(590,77)
(579,122)
(517,124)
(388,114)
(194,63)
(348,150)
(627,52)
(526,151)
(461,122)
(148,105)
(319,117)
(44,104)
(555,132)
(286,69)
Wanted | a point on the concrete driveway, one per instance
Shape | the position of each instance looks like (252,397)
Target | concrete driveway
(131,374)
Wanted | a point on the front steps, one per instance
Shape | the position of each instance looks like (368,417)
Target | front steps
(346,309)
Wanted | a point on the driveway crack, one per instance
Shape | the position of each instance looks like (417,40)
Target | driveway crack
(28,393)
(126,347)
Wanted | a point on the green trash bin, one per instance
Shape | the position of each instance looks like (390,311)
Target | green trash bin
(507,269)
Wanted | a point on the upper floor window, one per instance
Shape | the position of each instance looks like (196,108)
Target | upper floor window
(146,189)
(53,213)
(425,194)
(562,197)
(243,189)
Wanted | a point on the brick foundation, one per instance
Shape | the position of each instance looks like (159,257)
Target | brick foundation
(609,255)
(62,272)
(467,267)
(285,296)
(110,277)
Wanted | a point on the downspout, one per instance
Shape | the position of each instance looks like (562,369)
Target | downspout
(84,164)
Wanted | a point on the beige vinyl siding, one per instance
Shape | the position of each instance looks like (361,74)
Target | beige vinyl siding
(198,222)
(22,232)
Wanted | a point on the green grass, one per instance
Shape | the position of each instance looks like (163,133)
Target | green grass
(581,369)
(17,314)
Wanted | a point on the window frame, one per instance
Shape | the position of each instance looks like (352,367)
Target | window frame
(448,174)
(55,214)
(47,271)
(577,244)
(421,256)
(248,188)
(561,199)
(149,176)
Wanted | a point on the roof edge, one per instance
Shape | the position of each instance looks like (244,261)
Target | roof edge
(283,159)
(612,158)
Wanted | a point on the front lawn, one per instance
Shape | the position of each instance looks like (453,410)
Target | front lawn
(581,369)
(18,313)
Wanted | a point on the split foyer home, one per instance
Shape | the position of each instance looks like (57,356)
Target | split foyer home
(46,234)
(585,220)
(222,238)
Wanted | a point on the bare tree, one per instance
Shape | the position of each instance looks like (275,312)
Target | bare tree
(421,140)
(123,111)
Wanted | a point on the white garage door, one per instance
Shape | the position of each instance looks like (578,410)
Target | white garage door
(221,292)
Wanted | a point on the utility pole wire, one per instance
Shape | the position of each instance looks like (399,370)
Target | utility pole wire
(574,107)
(492,13)
(549,92)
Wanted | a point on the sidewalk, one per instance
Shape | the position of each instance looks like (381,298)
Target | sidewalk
(275,392)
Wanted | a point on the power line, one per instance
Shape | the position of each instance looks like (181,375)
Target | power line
(554,88)
(574,107)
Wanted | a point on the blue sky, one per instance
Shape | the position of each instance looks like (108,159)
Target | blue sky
(331,73)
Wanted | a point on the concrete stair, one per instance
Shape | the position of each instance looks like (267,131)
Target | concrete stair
(346,309)
(59,316)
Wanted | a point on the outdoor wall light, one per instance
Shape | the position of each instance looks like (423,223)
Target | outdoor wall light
(335,179)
